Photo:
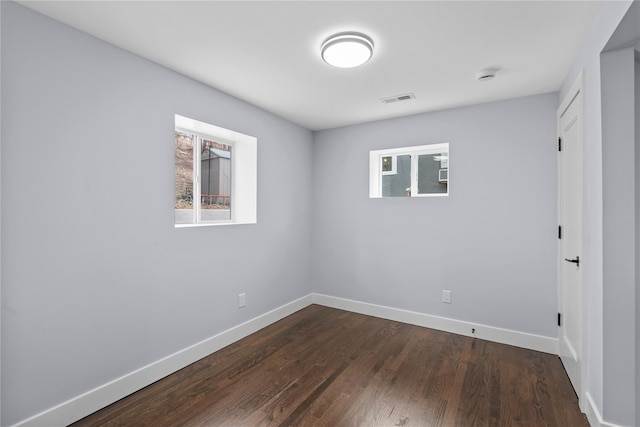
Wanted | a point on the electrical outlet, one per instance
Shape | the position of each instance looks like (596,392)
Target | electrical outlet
(446,297)
(242,300)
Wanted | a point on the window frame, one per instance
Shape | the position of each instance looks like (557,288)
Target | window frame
(376,173)
(197,175)
(243,203)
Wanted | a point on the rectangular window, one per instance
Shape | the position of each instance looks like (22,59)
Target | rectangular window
(203,193)
(215,175)
(420,171)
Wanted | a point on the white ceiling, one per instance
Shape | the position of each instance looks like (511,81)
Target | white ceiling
(267,52)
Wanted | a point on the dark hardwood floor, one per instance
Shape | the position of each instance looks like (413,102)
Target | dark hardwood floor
(322,366)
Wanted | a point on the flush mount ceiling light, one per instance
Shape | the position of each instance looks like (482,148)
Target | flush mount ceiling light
(347,50)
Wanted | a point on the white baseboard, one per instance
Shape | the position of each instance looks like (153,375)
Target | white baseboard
(489,333)
(593,415)
(93,400)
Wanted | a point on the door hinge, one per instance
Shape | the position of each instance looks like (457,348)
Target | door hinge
(559,232)
(559,144)
(559,319)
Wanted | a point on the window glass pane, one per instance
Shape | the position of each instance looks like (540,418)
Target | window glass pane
(399,184)
(387,164)
(184,213)
(432,176)
(215,184)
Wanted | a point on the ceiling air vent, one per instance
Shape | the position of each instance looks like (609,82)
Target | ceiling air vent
(397,98)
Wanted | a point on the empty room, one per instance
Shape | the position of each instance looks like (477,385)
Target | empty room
(338,213)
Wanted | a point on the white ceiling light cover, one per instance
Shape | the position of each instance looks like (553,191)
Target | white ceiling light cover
(347,50)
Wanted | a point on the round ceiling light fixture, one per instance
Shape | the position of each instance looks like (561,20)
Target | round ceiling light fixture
(347,50)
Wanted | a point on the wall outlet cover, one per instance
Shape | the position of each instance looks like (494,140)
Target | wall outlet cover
(446,297)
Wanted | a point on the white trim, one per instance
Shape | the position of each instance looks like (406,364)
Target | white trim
(593,415)
(576,87)
(1,209)
(375,179)
(460,327)
(576,92)
(93,400)
(104,395)
(417,149)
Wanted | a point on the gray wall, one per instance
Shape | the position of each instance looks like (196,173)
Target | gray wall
(588,61)
(96,281)
(92,282)
(619,238)
(492,241)
(1,304)
(637,225)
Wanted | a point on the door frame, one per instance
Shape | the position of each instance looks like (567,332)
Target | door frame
(576,92)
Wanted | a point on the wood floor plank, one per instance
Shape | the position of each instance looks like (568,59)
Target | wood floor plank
(327,367)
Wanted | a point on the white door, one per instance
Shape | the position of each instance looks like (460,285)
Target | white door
(570,263)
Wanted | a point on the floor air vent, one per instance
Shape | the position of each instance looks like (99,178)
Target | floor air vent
(397,98)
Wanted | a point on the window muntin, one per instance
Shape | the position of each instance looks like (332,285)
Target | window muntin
(421,171)
(215,175)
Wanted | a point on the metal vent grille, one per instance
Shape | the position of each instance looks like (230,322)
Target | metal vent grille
(403,97)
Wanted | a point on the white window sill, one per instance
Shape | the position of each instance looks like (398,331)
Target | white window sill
(211,224)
